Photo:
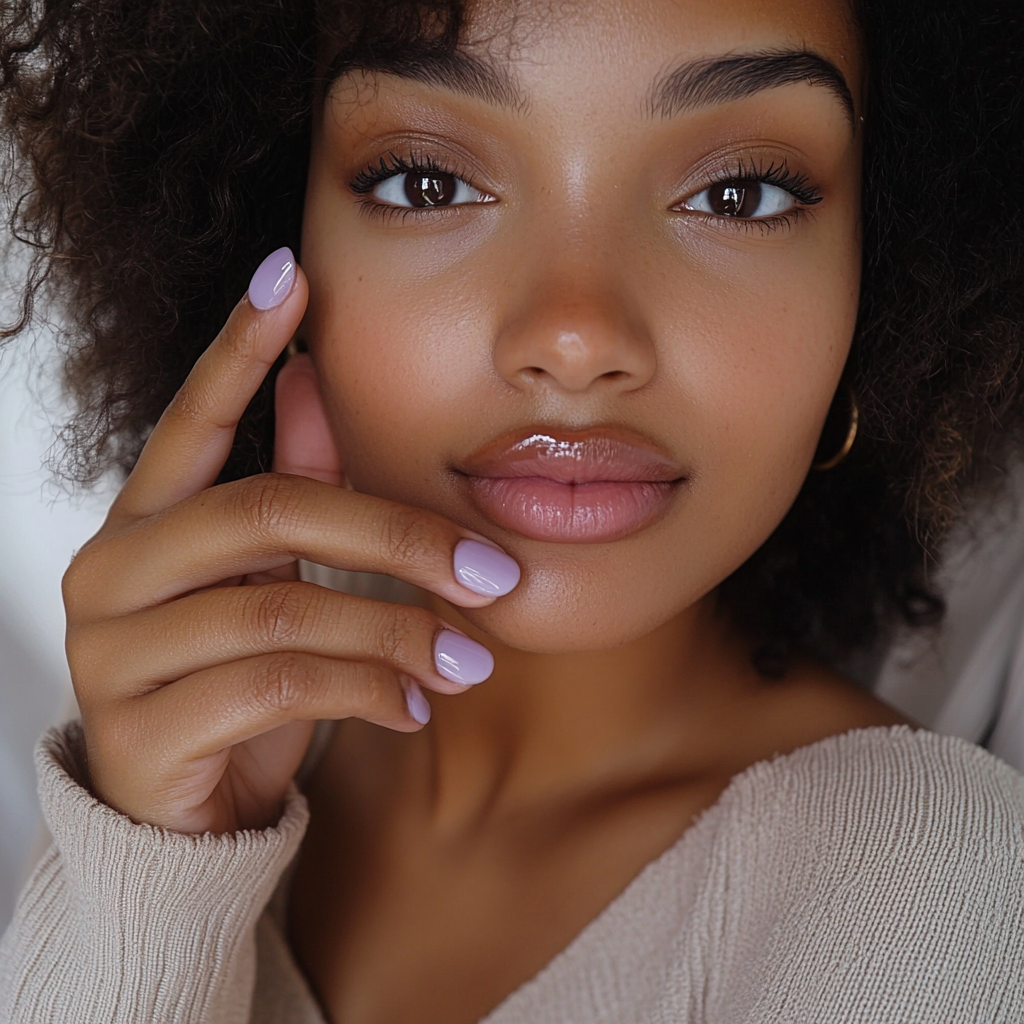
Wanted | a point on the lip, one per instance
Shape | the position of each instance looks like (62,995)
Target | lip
(582,487)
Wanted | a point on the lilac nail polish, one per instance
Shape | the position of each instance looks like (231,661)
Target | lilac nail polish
(417,703)
(485,570)
(462,660)
(273,279)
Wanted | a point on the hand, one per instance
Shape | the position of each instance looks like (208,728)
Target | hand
(199,659)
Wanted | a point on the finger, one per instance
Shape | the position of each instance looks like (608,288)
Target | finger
(191,441)
(214,627)
(263,522)
(303,442)
(230,704)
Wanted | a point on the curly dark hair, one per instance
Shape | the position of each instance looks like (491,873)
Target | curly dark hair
(147,138)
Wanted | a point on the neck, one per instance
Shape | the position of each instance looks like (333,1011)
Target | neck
(547,727)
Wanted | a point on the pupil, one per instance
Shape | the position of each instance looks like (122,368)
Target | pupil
(736,199)
(430,189)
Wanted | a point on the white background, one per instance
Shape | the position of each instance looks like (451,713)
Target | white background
(41,524)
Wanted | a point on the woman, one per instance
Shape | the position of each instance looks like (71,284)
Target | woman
(584,354)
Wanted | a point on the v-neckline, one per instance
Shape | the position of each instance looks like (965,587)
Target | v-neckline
(563,961)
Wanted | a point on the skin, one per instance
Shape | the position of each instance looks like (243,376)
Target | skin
(622,702)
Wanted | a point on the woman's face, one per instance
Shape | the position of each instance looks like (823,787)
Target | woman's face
(589,289)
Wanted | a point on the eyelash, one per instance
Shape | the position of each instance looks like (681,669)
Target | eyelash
(388,166)
(778,174)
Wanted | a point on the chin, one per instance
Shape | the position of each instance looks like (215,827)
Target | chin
(561,610)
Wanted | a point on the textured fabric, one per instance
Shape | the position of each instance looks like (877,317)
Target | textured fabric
(130,923)
(871,878)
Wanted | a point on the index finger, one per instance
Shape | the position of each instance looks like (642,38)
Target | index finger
(192,440)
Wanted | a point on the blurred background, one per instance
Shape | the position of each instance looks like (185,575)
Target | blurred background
(966,679)
(41,524)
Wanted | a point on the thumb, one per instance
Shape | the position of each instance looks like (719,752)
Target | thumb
(303,442)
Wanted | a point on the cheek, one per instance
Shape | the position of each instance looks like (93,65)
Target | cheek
(762,376)
(398,370)
(764,350)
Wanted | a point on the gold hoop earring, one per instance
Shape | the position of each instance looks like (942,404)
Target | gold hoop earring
(851,436)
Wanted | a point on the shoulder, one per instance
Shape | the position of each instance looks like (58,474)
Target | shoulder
(871,777)
(897,796)
(875,868)
(910,750)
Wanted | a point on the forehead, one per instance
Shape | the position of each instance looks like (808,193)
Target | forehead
(540,41)
(518,24)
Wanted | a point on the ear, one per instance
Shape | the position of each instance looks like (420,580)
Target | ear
(303,442)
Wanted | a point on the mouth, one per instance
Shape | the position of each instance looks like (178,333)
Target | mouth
(572,487)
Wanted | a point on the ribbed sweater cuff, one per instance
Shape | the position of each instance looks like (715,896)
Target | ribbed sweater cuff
(164,920)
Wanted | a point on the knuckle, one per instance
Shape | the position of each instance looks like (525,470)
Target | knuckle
(269,503)
(399,634)
(282,613)
(70,589)
(408,537)
(77,582)
(283,683)
(189,402)
(379,687)
(80,657)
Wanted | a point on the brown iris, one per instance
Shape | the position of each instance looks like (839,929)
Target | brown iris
(434,189)
(735,198)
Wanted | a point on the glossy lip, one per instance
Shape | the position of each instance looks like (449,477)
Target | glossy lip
(571,486)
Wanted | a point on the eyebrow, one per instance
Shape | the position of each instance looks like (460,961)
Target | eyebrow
(709,81)
(697,83)
(452,69)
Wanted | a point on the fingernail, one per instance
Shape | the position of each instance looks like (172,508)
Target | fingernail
(417,703)
(273,279)
(485,570)
(462,660)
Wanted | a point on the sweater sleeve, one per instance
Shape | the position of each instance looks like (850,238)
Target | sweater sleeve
(123,923)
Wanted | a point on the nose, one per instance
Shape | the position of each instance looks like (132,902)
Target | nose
(565,339)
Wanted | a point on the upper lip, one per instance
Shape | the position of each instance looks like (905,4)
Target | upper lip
(573,457)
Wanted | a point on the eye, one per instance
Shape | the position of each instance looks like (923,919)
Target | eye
(418,189)
(742,199)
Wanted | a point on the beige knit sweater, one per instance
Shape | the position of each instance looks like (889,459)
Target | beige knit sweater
(872,878)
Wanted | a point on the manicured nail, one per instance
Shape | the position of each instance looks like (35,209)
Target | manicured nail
(462,660)
(485,570)
(273,279)
(417,703)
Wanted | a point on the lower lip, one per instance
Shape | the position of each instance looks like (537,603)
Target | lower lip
(589,513)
